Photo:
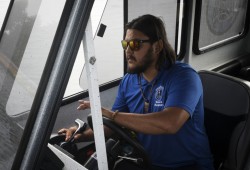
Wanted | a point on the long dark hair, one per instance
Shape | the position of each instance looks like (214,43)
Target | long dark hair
(153,27)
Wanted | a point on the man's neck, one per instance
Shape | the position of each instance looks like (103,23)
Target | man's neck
(150,74)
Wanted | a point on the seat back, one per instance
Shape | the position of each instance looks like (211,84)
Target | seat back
(227,106)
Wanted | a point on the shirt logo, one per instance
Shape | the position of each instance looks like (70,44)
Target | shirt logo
(158,94)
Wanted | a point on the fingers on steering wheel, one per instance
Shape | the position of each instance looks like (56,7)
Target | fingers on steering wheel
(61,131)
(65,132)
(68,135)
(83,105)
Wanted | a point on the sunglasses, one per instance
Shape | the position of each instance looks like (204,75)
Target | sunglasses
(134,45)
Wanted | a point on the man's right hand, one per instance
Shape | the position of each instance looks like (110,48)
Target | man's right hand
(83,104)
(69,132)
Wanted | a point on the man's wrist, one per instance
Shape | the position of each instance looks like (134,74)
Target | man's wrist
(114,114)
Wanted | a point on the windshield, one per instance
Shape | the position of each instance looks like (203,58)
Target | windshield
(24,49)
(108,51)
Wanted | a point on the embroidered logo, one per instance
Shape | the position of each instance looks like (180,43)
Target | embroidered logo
(159,93)
(158,96)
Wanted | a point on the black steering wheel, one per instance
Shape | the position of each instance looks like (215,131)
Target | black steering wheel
(125,134)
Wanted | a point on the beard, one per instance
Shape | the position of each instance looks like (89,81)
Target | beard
(143,65)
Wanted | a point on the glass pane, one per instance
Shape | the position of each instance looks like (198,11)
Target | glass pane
(221,21)
(108,50)
(24,49)
(167,12)
(4,4)
(73,86)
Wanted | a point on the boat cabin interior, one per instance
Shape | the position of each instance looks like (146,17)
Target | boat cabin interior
(54,53)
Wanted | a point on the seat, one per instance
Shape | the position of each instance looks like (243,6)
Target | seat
(227,108)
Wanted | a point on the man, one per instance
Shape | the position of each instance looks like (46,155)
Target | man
(161,99)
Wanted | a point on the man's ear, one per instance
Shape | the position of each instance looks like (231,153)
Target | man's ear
(158,46)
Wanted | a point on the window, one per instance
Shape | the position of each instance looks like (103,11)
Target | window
(73,86)
(24,49)
(4,4)
(167,12)
(108,50)
(218,23)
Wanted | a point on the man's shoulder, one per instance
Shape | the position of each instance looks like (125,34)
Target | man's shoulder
(179,70)
(129,78)
(180,67)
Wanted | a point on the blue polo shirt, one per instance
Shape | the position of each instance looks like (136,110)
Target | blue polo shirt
(177,86)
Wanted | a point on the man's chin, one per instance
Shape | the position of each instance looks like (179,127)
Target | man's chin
(133,70)
(130,70)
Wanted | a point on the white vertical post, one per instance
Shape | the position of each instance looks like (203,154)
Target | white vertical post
(94,95)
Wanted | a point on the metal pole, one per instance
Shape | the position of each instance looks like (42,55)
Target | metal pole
(94,95)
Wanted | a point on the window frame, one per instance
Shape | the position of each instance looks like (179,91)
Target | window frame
(197,21)
(184,32)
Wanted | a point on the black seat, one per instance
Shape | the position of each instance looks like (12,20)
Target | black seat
(227,106)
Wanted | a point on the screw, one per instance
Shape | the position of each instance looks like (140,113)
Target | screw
(92,60)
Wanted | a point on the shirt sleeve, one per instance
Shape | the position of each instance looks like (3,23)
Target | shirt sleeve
(120,102)
(184,90)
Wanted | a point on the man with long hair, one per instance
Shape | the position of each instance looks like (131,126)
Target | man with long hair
(159,98)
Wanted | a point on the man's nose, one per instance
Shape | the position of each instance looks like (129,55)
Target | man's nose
(128,50)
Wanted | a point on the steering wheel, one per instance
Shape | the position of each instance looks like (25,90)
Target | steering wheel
(124,134)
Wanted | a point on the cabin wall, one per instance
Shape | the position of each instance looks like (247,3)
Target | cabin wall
(219,56)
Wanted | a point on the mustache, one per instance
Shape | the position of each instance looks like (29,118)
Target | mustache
(131,58)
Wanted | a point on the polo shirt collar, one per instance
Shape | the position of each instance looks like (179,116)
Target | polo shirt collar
(144,82)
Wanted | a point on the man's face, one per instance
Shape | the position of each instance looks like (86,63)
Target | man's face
(142,59)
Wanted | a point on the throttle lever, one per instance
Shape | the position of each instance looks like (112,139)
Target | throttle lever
(81,126)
